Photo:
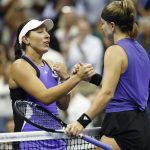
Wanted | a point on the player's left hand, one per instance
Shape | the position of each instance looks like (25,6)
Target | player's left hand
(76,67)
(61,70)
(74,129)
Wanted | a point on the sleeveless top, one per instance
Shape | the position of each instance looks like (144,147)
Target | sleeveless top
(48,78)
(132,89)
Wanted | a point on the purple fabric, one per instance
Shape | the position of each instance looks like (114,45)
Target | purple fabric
(49,81)
(46,76)
(132,90)
(45,144)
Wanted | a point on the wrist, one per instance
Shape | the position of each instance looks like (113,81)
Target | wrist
(84,120)
(96,79)
(66,77)
(76,77)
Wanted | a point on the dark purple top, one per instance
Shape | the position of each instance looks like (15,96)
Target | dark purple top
(132,89)
(47,78)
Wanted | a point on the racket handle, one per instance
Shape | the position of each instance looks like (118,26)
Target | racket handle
(95,142)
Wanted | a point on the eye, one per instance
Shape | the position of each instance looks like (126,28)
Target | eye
(39,30)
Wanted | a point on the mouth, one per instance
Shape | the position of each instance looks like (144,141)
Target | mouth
(46,43)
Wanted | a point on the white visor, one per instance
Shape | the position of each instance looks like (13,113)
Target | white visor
(33,24)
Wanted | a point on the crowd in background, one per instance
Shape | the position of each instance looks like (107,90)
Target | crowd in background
(76,37)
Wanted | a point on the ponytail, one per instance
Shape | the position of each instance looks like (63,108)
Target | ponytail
(133,34)
(19,48)
(130,12)
(18,51)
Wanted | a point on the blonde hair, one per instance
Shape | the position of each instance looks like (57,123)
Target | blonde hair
(122,13)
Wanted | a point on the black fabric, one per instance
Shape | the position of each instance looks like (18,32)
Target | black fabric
(47,65)
(17,94)
(130,129)
(56,78)
(96,79)
(20,94)
(32,64)
(84,120)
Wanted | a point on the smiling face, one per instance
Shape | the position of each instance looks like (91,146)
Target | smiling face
(38,40)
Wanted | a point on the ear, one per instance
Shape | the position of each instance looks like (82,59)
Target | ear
(113,26)
(25,40)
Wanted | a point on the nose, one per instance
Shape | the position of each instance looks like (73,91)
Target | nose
(47,34)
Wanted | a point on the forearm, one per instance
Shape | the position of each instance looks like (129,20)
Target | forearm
(54,93)
(99,104)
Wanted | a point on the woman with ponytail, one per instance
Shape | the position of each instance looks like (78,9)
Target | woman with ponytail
(34,79)
(125,83)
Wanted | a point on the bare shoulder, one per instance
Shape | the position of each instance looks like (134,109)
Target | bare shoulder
(21,66)
(115,51)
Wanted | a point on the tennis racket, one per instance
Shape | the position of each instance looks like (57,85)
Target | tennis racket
(45,120)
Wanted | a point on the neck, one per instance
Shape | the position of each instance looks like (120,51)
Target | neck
(119,36)
(35,57)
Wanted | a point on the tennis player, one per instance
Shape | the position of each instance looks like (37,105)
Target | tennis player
(124,87)
(33,79)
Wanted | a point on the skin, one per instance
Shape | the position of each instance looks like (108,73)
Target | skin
(23,75)
(115,63)
(84,30)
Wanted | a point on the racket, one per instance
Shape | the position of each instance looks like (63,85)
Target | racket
(45,120)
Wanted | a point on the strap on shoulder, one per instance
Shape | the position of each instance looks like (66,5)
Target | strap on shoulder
(32,64)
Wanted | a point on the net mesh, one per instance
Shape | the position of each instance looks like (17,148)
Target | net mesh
(42,140)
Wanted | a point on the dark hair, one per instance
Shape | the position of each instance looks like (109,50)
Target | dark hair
(123,14)
(19,48)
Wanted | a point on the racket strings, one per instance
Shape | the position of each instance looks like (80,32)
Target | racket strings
(38,116)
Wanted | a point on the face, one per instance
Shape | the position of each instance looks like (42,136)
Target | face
(70,19)
(106,28)
(38,40)
(84,28)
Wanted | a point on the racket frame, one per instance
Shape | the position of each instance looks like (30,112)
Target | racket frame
(32,104)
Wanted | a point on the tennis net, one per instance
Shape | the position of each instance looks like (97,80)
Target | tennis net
(42,140)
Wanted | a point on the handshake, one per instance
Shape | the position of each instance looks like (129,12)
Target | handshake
(84,71)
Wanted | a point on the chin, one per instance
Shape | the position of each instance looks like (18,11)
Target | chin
(45,49)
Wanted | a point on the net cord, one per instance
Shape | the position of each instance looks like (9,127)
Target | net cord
(41,135)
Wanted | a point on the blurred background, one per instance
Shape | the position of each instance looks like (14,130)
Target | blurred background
(76,36)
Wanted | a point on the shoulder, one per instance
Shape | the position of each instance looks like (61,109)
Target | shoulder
(114,53)
(114,50)
(20,65)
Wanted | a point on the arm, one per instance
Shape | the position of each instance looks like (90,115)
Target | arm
(25,76)
(62,72)
(112,71)
(94,79)
(63,102)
